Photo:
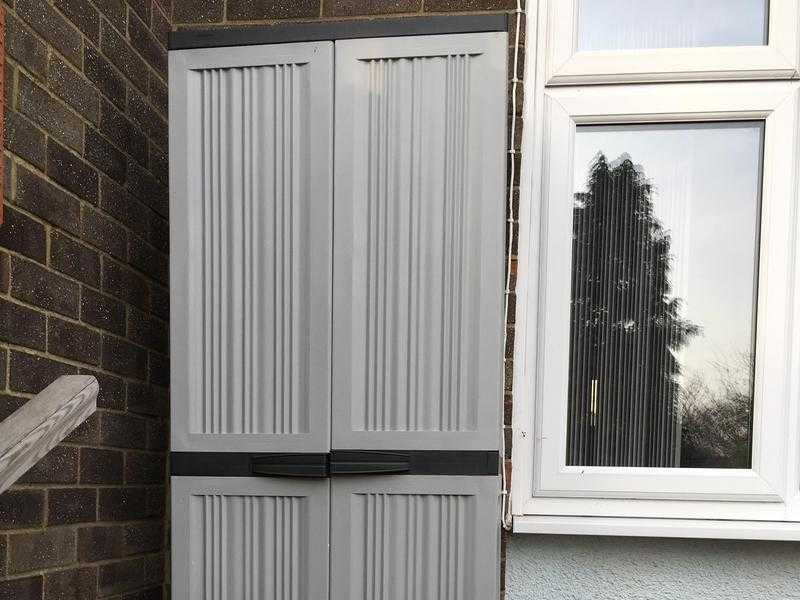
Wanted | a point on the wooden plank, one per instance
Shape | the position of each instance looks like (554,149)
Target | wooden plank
(43,422)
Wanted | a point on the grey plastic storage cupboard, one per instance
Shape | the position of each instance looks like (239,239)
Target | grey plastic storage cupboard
(337,234)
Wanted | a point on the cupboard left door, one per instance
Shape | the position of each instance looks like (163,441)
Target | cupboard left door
(251,132)
(250,538)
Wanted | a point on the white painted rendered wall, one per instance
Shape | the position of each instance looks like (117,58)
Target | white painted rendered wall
(541,567)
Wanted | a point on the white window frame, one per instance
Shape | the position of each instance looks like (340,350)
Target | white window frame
(779,59)
(547,495)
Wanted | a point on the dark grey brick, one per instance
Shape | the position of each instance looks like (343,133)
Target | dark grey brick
(149,260)
(104,76)
(159,164)
(154,565)
(103,155)
(31,373)
(60,465)
(72,505)
(159,94)
(103,542)
(21,509)
(468,5)
(125,284)
(198,11)
(115,11)
(147,45)
(104,233)
(112,390)
(144,468)
(87,433)
(159,301)
(72,172)
(3,365)
(22,234)
(148,399)
(148,189)
(33,551)
(122,576)
(140,8)
(159,369)
(9,404)
(148,119)
(123,431)
(53,27)
(74,259)
(101,466)
(74,341)
(72,88)
(39,196)
(120,356)
(352,8)
(148,331)
(148,594)
(122,504)
(73,584)
(36,285)
(9,86)
(4,592)
(158,435)
(25,47)
(24,139)
(120,204)
(160,26)
(122,132)
(253,10)
(123,56)
(50,114)
(22,326)
(28,588)
(144,537)
(117,202)
(166,5)
(8,167)
(83,15)
(102,311)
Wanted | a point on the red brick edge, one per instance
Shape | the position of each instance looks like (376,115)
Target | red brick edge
(2,97)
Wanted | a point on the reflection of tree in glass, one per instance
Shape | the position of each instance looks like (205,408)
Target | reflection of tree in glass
(716,421)
(626,327)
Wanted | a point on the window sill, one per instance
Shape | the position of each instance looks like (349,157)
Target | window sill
(668,528)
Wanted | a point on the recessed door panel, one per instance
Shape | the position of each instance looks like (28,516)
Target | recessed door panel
(251,247)
(415,538)
(249,538)
(419,181)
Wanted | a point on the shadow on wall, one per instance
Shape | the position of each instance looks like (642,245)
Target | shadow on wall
(610,568)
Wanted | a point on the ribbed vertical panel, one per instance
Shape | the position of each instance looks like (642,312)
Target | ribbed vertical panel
(417,214)
(413,547)
(252,249)
(250,547)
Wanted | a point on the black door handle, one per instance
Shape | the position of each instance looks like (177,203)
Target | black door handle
(290,465)
(365,462)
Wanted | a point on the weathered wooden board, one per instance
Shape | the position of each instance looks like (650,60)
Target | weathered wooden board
(44,421)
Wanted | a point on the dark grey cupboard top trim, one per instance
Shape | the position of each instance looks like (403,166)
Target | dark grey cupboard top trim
(336,30)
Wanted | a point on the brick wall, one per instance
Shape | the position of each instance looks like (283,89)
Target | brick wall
(83,289)
(210,13)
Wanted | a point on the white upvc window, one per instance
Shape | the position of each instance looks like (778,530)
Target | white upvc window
(657,365)
(617,41)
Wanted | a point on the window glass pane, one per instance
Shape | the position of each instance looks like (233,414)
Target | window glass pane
(665,238)
(632,24)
